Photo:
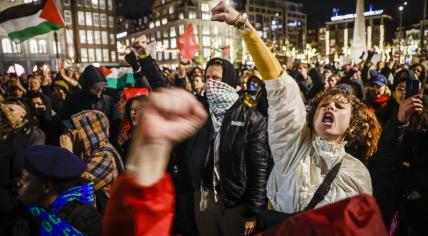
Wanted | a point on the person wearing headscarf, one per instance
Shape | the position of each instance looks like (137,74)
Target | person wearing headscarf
(57,194)
(87,136)
(228,158)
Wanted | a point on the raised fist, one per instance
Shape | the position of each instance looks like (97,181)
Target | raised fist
(170,115)
(224,13)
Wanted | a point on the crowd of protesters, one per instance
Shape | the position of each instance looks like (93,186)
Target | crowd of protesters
(217,150)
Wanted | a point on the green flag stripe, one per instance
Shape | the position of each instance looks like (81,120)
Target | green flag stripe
(42,28)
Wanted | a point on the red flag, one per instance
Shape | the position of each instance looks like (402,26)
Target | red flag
(106,71)
(51,13)
(187,43)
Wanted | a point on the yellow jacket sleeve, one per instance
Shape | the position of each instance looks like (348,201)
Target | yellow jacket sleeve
(266,63)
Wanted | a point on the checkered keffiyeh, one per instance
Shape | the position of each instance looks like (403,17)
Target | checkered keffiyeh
(103,161)
(221,97)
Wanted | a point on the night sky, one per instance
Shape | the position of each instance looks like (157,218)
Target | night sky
(318,11)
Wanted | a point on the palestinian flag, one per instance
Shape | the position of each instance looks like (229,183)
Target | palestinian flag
(25,21)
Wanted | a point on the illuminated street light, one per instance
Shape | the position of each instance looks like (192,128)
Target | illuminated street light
(400,8)
(405,3)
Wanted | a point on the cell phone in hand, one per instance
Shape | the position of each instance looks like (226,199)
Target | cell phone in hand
(412,88)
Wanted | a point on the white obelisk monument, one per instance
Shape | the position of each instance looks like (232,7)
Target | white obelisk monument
(359,44)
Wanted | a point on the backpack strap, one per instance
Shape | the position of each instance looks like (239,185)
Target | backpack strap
(324,188)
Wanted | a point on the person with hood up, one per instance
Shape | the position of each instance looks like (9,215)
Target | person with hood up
(16,133)
(87,137)
(91,97)
(57,194)
(228,158)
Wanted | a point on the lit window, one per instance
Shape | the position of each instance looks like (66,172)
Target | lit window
(104,37)
(66,2)
(151,25)
(206,30)
(113,56)
(82,34)
(67,17)
(97,37)
(192,15)
(79,2)
(173,43)
(42,47)
(103,19)
(159,56)
(110,7)
(16,48)
(207,52)
(165,43)
(158,34)
(81,17)
(88,18)
(206,16)
(206,41)
(33,47)
(70,50)
(99,54)
(84,54)
(165,34)
(164,21)
(172,32)
(112,39)
(90,36)
(96,18)
(157,23)
(111,22)
(6,45)
(166,55)
(91,54)
(102,4)
(95,4)
(171,9)
(106,55)
(88,3)
(181,16)
(205,7)
(174,55)
(215,30)
(181,29)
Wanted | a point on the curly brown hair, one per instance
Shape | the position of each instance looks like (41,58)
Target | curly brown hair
(358,118)
(373,133)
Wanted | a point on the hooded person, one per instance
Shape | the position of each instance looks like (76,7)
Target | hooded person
(57,194)
(16,133)
(91,97)
(228,158)
(87,136)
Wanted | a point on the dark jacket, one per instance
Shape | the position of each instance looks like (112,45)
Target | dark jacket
(243,157)
(11,165)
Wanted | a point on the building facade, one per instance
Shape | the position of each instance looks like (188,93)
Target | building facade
(168,21)
(170,18)
(89,38)
(339,32)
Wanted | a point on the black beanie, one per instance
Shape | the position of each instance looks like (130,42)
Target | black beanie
(230,74)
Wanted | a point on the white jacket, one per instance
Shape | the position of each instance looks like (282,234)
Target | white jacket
(301,159)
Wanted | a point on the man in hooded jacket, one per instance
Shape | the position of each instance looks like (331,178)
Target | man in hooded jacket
(91,97)
(228,158)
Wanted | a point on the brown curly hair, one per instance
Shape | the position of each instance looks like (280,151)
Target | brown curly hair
(358,118)
(373,134)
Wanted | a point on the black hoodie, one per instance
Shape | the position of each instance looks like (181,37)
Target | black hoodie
(84,100)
